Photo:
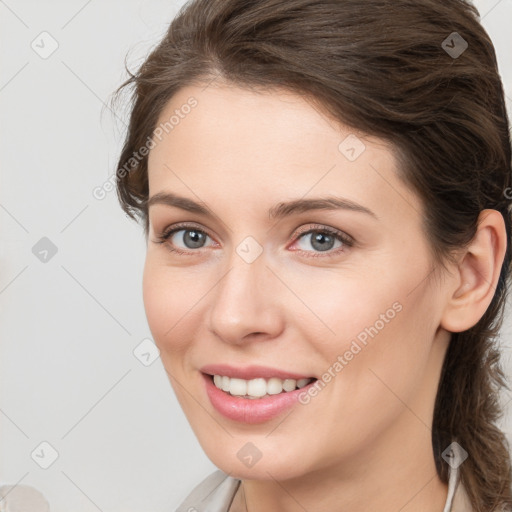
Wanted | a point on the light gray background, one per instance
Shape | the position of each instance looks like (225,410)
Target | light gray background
(69,326)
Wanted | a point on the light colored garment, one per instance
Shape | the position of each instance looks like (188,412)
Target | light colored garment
(217,491)
(22,498)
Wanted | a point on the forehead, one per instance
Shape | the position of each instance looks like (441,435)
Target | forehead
(256,120)
(235,143)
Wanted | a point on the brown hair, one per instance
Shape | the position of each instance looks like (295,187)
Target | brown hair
(396,70)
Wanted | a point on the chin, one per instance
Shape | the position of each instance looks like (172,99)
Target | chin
(245,461)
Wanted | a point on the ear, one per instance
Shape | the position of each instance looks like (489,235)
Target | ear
(477,274)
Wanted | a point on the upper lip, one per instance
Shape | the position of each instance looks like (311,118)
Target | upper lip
(250,372)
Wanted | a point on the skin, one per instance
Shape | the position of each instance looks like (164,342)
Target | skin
(364,442)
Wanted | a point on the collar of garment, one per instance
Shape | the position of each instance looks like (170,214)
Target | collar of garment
(217,491)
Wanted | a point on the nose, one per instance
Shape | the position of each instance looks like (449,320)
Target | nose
(245,304)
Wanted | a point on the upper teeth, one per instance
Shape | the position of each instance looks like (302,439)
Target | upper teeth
(256,388)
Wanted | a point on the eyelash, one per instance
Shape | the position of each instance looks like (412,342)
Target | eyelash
(345,239)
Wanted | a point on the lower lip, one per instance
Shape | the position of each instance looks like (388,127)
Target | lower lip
(246,410)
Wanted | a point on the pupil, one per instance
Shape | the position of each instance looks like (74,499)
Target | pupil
(322,242)
(193,239)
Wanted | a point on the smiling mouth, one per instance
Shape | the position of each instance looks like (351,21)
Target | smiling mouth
(259,387)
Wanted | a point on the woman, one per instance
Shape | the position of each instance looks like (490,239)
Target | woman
(325,190)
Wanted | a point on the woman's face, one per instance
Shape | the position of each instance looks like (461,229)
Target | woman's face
(296,253)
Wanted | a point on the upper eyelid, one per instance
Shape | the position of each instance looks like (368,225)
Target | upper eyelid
(315,227)
(320,227)
(179,227)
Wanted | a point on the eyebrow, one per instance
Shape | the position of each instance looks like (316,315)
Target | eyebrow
(278,211)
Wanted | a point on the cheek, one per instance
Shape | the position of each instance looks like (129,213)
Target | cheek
(166,302)
(343,303)
(378,296)
(385,357)
(176,302)
(380,321)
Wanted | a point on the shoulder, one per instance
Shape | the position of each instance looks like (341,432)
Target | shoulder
(214,494)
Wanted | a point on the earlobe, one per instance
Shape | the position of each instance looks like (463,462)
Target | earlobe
(477,274)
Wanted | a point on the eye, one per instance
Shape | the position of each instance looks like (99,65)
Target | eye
(184,239)
(322,240)
(312,240)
